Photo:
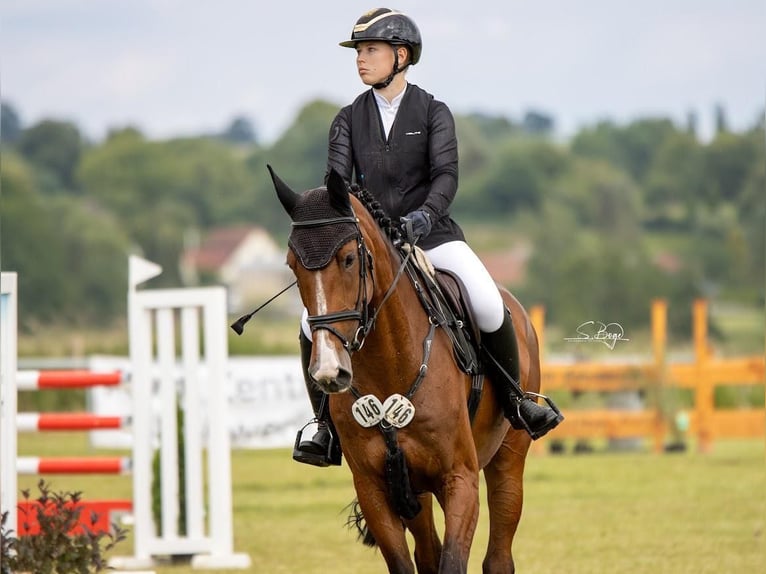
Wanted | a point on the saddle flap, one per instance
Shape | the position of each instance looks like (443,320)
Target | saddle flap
(458,299)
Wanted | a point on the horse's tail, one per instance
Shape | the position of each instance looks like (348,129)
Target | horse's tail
(356,520)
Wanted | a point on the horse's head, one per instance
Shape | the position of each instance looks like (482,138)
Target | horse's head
(330,260)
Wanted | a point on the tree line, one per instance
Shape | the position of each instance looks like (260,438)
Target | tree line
(614,216)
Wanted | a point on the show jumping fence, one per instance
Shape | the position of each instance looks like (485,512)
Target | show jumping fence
(203,357)
(26,523)
(24,514)
(26,511)
(656,377)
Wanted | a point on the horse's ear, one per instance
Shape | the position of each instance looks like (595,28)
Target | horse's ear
(287,197)
(338,191)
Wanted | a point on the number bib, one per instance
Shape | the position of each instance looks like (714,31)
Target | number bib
(398,410)
(367,410)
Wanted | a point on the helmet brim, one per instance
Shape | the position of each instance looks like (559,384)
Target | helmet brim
(353,43)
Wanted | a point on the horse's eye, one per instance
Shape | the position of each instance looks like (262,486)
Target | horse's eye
(349,260)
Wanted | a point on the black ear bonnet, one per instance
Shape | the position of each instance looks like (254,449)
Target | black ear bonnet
(316,245)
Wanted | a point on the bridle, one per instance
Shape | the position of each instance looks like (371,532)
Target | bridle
(361,312)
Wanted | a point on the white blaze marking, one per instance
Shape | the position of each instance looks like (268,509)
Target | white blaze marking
(328,363)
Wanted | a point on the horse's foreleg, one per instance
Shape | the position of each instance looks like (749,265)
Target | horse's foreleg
(428,547)
(385,525)
(505,493)
(460,501)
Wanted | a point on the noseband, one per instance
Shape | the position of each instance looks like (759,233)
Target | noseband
(360,313)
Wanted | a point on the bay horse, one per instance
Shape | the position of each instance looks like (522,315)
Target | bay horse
(373,343)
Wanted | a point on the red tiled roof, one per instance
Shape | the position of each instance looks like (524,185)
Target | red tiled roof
(506,267)
(218,245)
(668,262)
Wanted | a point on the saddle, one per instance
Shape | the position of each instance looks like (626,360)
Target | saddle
(459,304)
(446,300)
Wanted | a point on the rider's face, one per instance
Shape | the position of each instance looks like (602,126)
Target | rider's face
(374,61)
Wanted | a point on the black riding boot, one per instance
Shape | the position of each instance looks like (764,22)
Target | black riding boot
(501,354)
(322,449)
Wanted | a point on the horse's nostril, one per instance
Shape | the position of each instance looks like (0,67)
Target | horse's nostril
(344,378)
(338,384)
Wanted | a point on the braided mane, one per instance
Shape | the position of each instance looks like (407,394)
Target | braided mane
(386,224)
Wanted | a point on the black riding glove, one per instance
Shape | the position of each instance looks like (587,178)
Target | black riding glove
(416,224)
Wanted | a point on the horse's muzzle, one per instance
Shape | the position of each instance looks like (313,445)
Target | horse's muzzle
(337,382)
(331,368)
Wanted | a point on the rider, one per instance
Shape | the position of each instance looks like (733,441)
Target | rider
(400,143)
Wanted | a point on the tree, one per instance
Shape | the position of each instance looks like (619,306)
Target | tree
(691,123)
(96,250)
(675,182)
(516,178)
(721,123)
(474,149)
(158,190)
(728,160)
(493,128)
(30,243)
(579,274)
(303,147)
(54,146)
(752,215)
(538,123)
(10,123)
(631,148)
(299,156)
(602,198)
(69,255)
(240,131)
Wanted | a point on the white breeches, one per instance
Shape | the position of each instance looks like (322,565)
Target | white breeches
(458,257)
(486,301)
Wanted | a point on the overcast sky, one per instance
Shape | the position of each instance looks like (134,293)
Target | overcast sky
(173,67)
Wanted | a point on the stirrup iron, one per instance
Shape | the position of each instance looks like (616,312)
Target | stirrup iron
(523,423)
(333,455)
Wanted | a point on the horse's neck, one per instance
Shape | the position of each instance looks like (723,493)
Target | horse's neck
(393,351)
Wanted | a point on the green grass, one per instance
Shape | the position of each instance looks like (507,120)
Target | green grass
(597,513)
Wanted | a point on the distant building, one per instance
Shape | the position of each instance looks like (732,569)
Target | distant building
(245,259)
(509,267)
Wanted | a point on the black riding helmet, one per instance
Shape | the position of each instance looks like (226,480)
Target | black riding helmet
(392,27)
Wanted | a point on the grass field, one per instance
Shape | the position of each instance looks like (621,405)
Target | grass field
(602,512)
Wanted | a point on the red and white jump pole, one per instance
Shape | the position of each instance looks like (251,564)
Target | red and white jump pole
(36,380)
(37,422)
(75,465)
